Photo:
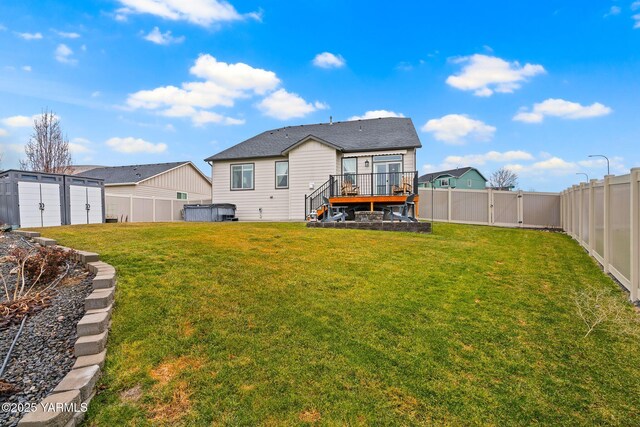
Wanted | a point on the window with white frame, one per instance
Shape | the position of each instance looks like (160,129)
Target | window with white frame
(444,182)
(182,196)
(242,176)
(282,174)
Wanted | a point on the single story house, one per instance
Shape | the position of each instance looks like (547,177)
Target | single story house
(283,174)
(176,180)
(465,178)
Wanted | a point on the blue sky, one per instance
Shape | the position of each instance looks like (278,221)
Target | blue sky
(535,87)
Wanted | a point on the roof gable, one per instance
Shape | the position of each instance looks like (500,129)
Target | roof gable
(350,136)
(454,173)
(135,174)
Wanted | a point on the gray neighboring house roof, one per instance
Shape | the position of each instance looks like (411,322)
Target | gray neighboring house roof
(132,174)
(358,135)
(455,173)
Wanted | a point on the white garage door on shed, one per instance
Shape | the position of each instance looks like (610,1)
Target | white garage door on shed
(85,205)
(39,204)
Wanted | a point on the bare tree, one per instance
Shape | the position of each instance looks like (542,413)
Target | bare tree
(47,149)
(503,179)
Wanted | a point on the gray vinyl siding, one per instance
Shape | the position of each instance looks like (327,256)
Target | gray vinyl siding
(274,202)
(311,162)
(409,159)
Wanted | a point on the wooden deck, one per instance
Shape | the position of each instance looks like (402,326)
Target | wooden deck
(372,201)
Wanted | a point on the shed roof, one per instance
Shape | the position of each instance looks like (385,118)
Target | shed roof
(358,135)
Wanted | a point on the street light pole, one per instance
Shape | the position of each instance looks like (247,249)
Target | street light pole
(602,155)
(582,173)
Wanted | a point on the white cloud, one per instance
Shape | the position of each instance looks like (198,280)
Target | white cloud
(563,109)
(30,36)
(636,18)
(64,54)
(66,35)
(131,145)
(457,128)
(157,37)
(635,5)
(223,84)
(26,68)
(614,10)
(80,146)
(485,75)
(375,114)
(481,159)
(238,76)
(329,60)
(199,12)
(96,94)
(19,121)
(3,132)
(284,105)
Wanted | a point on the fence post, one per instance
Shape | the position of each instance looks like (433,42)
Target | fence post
(153,200)
(634,176)
(130,207)
(449,204)
(607,222)
(490,219)
(520,208)
(172,211)
(580,212)
(592,216)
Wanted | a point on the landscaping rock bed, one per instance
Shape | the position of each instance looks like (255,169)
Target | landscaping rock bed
(414,227)
(44,352)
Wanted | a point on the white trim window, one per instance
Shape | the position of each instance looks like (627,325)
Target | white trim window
(282,174)
(444,182)
(182,195)
(242,176)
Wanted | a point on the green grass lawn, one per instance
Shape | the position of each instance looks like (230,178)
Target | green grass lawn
(277,324)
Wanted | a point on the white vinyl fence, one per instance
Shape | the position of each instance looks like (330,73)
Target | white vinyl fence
(604,217)
(491,207)
(126,208)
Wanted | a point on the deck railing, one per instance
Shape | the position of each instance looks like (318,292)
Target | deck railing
(363,185)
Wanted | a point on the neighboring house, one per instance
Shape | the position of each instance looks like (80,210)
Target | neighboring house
(282,174)
(80,169)
(177,180)
(464,178)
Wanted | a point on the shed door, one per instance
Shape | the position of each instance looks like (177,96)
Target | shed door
(29,204)
(50,197)
(78,204)
(94,201)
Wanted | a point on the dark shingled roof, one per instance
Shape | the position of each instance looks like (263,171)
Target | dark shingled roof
(131,173)
(456,173)
(388,133)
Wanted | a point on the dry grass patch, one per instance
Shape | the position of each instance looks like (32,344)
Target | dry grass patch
(176,408)
(309,416)
(167,371)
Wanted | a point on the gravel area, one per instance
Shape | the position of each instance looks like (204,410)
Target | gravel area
(44,352)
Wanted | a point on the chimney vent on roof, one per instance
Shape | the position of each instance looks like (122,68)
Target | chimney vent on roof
(330,120)
(360,128)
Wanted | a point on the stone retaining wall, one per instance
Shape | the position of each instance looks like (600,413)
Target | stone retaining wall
(415,227)
(64,406)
